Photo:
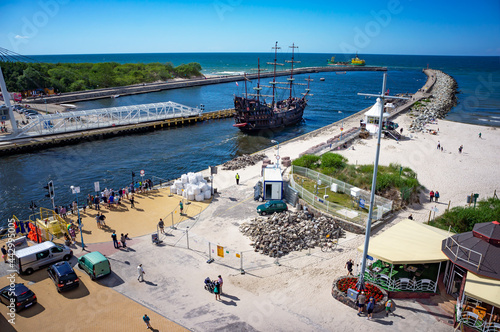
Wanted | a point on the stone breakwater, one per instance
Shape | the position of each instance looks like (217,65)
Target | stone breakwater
(443,99)
(243,161)
(285,232)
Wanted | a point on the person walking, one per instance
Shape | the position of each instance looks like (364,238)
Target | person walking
(4,254)
(72,233)
(369,307)
(181,206)
(98,220)
(115,240)
(361,302)
(161,225)
(431,195)
(479,135)
(123,239)
(220,284)
(97,202)
(146,320)
(436,196)
(217,290)
(349,265)
(132,201)
(141,273)
(237,178)
(388,307)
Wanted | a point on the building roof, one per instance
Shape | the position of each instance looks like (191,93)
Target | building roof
(375,110)
(483,289)
(488,231)
(272,173)
(408,242)
(473,252)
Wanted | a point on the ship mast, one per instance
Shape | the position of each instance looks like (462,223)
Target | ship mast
(275,48)
(291,79)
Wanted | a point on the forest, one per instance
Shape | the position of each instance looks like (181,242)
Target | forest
(66,77)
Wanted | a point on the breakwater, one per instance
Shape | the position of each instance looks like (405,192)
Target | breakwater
(72,97)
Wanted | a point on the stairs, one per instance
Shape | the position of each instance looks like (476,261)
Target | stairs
(392,134)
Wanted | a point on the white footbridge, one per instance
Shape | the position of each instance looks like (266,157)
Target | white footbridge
(60,123)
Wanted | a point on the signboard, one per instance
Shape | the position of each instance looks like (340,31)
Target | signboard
(142,172)
(369,257)
(220,251)
(362,203)
(352,294)
(75,190)
(96,186)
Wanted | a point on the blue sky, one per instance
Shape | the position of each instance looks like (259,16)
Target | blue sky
(371,27)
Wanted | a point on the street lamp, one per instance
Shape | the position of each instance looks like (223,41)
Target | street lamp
(76,190)
(278,154)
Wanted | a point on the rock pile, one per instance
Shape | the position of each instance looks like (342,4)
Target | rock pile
(282,233)
(442,100)
(243,161)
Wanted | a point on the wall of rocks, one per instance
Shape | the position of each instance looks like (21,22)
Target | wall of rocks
(243,161)
(442,101)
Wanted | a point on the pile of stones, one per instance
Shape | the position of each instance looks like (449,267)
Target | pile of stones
(442,101)
(281,233)
(243,161)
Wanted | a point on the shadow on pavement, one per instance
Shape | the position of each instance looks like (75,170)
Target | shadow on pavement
(111,280)
(228,302)
(231,297)
(33,311)
(76,293)
(149,283)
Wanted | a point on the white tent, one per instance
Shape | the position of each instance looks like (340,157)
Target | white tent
(373,115)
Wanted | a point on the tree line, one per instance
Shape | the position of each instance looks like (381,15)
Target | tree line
(66,77)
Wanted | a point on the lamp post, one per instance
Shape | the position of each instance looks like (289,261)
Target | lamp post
(278,154)
(76,190)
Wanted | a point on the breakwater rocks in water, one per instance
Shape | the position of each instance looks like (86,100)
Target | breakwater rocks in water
(243,161)
(285,232)
(443,99)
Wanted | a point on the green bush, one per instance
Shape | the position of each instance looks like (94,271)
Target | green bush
(333,160)
(308,161)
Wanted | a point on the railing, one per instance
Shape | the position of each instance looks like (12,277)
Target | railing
(401,284)
(464,250)
(473,320)
(59,123)
(383,205)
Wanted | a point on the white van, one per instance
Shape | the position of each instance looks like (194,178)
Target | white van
(29,259)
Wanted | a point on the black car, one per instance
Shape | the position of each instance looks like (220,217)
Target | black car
(63,275)
(19,295)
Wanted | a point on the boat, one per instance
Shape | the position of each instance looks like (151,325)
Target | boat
(340,72)
(332,62)
(253,113)
(322,79)
(357,61)
(115,96)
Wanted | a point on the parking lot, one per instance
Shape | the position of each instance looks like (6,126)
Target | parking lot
(90,307)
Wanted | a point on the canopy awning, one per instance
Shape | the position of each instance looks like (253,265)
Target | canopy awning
(483,289)
(408,242)
(374,111)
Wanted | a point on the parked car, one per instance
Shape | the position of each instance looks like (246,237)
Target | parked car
(32,258)
(95,265)
(272,206)
(21,296)
(63,276)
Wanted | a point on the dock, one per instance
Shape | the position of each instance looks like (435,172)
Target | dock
(28,144)
(72,97)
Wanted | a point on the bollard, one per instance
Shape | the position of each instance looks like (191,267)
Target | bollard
(187,236)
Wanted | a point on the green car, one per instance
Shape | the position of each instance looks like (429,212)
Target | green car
(272,206)
(94,264)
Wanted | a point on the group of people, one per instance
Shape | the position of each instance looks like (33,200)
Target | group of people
(100,219)
(434,195)
(123,240)
(370,306)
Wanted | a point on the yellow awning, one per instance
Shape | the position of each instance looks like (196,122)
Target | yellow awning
(408,242)
(483,289)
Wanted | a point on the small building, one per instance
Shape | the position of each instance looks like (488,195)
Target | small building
(372,117)
(472,276)
(273,183)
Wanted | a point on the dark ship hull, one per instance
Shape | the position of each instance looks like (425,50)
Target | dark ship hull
(252,115)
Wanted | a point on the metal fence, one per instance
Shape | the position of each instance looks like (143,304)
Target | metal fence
(381,205)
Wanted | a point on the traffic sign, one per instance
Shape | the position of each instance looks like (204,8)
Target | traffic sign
(75,190)
(142,172)
(96,186)
(362,203)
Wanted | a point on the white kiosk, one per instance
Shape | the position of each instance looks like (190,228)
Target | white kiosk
(273,183)
(372,117)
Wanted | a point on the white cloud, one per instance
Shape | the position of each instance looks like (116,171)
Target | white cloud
(21,37)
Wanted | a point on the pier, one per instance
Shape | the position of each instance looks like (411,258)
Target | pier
(35,143)
(72,97)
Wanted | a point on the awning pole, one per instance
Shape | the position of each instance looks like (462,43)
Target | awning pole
(437,278)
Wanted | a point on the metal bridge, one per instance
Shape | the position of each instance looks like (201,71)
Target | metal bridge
(60,123)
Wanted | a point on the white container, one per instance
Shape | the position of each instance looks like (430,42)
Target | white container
(184,178)
(179,191)
(191,197)
(355,192)
(200,177)
(333,187)
(207,194)
(196,191)
(199,198)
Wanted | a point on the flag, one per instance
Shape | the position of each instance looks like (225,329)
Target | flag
(237,84)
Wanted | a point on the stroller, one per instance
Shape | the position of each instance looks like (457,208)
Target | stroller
(209,285)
